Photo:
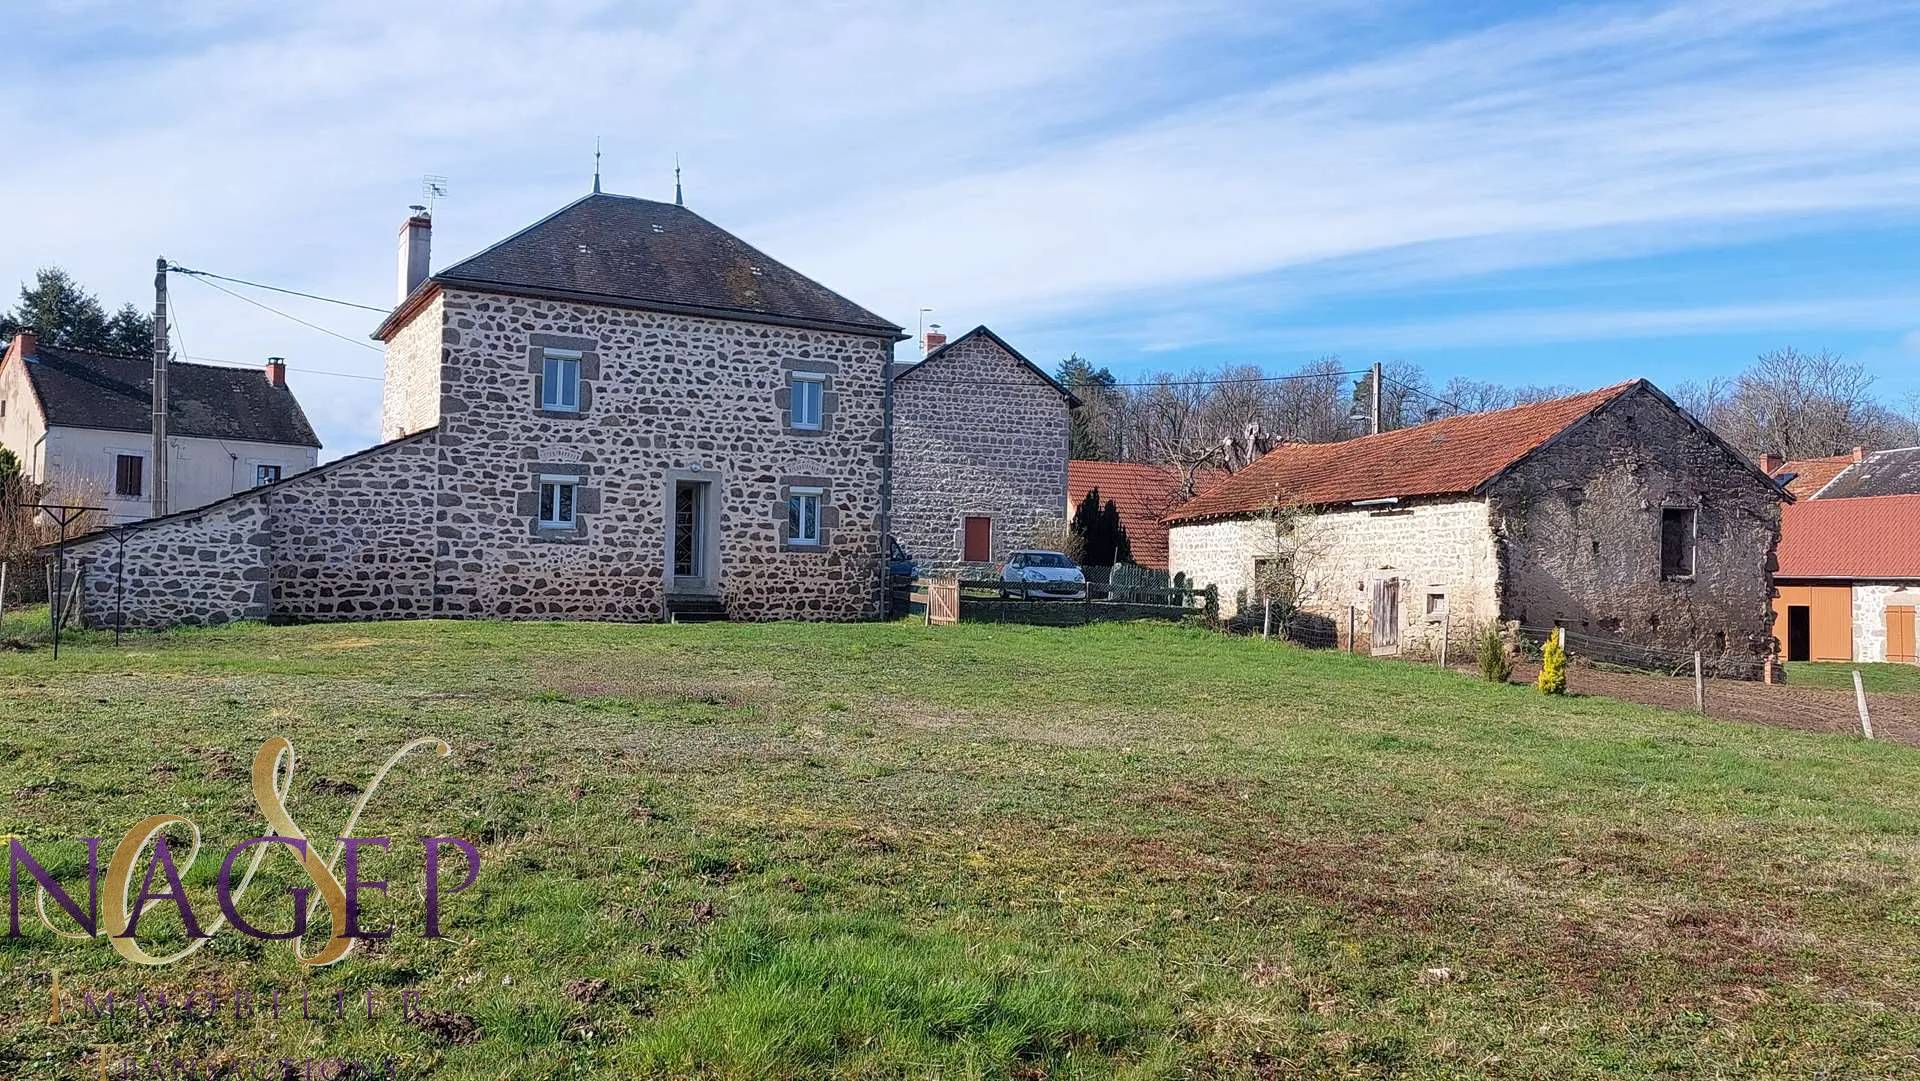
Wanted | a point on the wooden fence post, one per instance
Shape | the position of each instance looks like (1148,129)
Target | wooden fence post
(1860,700)
(1266,621)
(1446,628)
(1699,685)
(3,585)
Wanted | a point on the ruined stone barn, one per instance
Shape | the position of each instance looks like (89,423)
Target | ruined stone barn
(1613,513)
(621,412)
(979,453)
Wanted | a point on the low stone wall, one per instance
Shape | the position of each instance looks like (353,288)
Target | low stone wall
(351,539)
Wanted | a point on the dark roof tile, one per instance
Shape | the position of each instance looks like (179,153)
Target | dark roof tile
(82,389)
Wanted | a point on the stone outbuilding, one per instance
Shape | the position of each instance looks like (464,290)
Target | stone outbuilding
(979,453)
(621,412)
(1612,513)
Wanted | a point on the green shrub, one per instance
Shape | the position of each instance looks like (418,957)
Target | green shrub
(1553,667)
(1495,665)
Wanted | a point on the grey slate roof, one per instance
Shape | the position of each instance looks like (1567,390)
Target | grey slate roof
(647,254)
(1883,472)
(81,389)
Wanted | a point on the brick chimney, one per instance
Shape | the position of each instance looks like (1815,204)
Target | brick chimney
(26,343)
(1771,463)
(1859,454)
(935,338)
(276,372)
(415,238)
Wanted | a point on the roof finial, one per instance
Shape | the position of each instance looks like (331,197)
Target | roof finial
(596,165)
(677,199)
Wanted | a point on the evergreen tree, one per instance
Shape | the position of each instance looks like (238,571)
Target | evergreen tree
(62,313)
(1083,531)
(1090,427)
(1110,524)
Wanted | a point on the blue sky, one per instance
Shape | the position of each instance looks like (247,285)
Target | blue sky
(1530,193)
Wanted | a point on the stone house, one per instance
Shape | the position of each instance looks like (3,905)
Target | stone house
(979,452)
(1849,579)
(621,412)
(1613,512)
(84,420)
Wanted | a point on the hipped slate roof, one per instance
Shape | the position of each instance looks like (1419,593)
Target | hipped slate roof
(1884,472)
(82,389)
(1868,537)
(616,249)
(1446,457)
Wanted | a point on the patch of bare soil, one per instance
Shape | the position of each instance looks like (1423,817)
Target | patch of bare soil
(1810,709)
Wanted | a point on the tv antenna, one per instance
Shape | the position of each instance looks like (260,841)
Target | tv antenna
(431,188)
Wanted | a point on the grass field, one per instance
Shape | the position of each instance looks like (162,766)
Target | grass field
(1887,678)
(977,851)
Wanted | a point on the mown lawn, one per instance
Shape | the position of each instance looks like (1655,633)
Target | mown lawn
(1874,678)
(980,851)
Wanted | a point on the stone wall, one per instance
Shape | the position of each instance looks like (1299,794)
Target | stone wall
(351,539)
(1580,523)
(1870,601)
(410,395)
(1443,549)
(976,433)
(665,398)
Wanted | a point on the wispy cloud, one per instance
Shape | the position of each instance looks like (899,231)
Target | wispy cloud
(1159,171)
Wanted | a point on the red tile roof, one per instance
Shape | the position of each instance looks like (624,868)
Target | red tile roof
(1446,457)
(1142,493)
(1874,536)
(1813,474)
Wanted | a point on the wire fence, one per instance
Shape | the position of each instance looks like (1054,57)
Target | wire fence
(1639,657)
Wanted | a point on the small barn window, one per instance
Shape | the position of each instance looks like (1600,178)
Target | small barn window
(129,480)
(1676,542)
(266,474)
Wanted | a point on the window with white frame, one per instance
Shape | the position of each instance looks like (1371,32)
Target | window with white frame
(803,516)
(557,498)
(266,474)
(560,381)
(807,391)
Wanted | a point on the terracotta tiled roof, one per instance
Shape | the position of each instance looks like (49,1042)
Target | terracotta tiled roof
(1868,537)
(1446,457)
(1812,474)
(1142,493)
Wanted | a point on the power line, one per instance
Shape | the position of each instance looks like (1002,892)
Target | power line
(284,315)
(278,289)
(1147,383)
(225,363)
(1456,405)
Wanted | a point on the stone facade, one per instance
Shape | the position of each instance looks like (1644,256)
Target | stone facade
(1870,601)
(351,539)
(977,432)
(410,395)
(1570,535)
(1441,552)
(1580,530)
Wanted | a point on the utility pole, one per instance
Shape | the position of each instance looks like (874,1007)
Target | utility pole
(1375,379)
(159,465)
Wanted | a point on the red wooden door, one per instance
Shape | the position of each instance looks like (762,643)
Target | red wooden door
(976,539)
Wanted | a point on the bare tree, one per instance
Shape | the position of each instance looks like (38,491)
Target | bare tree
(1800,405)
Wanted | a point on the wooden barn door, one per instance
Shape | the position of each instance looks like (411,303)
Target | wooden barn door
(1386,616)
(1900,633)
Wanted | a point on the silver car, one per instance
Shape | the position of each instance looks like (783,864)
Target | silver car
(1039,575)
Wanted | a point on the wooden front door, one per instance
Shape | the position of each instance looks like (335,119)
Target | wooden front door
(1900,633)
(976,544)
(1386,615)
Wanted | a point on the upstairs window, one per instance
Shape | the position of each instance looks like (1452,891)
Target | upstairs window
(265,474)
(1676,542)
(560,381)
(129,476)
(803,516)
(806,390)
(556,502)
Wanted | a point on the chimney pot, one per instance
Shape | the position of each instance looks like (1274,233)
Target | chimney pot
(276,372)
(415,244)
(934,340)
(1771,463)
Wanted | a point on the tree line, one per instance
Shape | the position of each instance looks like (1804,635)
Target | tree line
(1787,402)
